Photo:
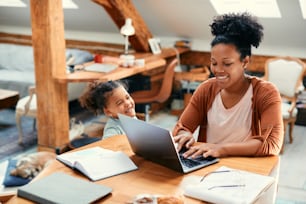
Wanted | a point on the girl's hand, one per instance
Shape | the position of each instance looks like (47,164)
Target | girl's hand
(184,138)
(205,150)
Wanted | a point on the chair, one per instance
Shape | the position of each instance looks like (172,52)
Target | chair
(195,75)
(26,106)
(287,74)
(160,94)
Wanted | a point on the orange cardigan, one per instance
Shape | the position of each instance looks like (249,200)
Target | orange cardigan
(267,123)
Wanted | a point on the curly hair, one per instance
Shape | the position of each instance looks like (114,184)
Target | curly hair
(241,30)
(96,94)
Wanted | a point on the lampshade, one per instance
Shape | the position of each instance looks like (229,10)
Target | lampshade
(127,29)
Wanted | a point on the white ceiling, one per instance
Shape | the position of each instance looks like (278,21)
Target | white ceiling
(188,19)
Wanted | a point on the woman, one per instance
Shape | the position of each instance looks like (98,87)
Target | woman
(238,115)
(109,98)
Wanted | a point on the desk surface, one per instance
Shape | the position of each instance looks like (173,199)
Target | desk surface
(118,73)
(151,62)
(152,178)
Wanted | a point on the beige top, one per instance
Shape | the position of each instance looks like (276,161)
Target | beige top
(232,124)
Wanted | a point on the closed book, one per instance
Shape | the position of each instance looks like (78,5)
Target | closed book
(98,163)
(63,188)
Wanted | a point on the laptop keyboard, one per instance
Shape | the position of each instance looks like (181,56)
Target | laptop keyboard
(194,162)
(189,162)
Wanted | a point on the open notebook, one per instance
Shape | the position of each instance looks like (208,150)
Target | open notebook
(98,163)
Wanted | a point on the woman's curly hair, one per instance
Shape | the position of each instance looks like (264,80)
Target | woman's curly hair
(242,30)
(96,94)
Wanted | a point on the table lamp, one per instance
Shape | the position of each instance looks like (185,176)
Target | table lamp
(127,30)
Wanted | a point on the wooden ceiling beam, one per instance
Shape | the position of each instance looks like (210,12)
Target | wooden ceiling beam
(119,10)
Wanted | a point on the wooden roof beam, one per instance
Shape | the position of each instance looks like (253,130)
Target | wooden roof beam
(119,10)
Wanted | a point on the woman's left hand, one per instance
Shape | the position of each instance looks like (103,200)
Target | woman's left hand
(205,150)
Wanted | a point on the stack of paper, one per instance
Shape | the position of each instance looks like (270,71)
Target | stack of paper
(98,67)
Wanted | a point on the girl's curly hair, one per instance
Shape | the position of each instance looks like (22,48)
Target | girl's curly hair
(241,30)
(96,94)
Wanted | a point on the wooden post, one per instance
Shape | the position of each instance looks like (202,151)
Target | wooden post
(49,57)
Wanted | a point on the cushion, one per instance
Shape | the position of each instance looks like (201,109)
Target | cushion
(80,56)
(10,181)
(20,57)
(285,80)
(17,68)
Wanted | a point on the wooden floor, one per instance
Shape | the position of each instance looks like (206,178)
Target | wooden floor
(292,177)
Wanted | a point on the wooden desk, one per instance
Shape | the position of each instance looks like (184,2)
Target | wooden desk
(151,62)
(118,73)
(150,177)
(8,98)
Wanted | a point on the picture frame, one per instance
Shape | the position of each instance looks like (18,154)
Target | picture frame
(154,45)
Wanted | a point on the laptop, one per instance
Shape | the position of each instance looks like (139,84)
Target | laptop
(157,145)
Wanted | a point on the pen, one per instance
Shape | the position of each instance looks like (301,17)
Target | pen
(226,186)
(212,172)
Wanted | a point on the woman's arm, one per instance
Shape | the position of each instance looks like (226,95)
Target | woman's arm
(187,124)
(194,114)
(270,120)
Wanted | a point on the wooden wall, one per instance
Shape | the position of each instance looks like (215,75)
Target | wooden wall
(203,58)
(199,58)
(93,47)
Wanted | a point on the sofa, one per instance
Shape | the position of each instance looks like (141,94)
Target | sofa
(17,68)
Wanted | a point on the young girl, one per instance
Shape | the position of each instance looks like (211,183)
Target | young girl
(238,115)
(109,98)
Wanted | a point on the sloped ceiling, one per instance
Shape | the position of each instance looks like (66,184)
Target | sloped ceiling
(173,18)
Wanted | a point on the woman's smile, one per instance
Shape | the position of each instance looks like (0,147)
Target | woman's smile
(222,77)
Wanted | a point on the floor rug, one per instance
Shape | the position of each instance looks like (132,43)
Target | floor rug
(9,145)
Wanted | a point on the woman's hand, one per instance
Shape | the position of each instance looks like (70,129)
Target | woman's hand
(184,138)
(205,150)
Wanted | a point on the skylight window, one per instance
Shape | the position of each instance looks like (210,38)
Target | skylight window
(69,4)
(303,8)
(259,8)
(12,3)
